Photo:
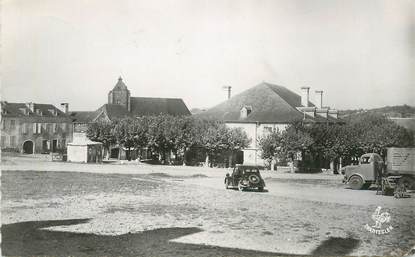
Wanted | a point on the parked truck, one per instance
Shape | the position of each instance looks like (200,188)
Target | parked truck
(399,164)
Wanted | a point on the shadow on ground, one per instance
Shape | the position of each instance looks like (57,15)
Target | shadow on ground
(31,239)
(336,246)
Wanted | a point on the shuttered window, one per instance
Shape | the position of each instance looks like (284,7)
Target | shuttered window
(24,128)
(12,141)
(12,124)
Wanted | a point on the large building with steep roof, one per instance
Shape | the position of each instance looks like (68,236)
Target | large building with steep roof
(34,128)
(122,105)
(265,108)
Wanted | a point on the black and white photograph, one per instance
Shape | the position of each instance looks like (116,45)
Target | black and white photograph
(204,128)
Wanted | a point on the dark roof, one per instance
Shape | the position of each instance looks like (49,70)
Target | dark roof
(270,103)
(142,106)
(16,110)
(82,117)
(120,85)
(113,111)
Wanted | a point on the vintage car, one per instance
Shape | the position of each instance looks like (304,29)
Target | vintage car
(245,177)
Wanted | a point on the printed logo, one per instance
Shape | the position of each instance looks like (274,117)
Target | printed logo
(379,218)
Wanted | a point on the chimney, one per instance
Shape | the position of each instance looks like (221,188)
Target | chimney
(65,107)
(31,106)
(305,96)
(229,89)
(319,98)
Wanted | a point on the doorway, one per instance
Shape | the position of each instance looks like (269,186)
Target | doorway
(114,153)
(28,147)
(54,145)
(239,157)
(45,146)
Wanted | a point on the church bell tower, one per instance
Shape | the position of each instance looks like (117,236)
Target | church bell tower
(120,95)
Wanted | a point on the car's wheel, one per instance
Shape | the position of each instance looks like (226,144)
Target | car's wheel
(260,189)
(240,186)
(356,182)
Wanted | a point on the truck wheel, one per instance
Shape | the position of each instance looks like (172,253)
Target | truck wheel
(409,182)
(356,183)
(366,185)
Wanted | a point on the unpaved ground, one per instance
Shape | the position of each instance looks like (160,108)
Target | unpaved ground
(300,214)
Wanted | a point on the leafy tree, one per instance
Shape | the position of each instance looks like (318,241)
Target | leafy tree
(102,132)
(124,133)
(271,146)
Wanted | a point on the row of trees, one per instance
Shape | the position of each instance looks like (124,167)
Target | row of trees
(165,134)
(361,134)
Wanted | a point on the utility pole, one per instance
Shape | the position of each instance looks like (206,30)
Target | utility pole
(229,88)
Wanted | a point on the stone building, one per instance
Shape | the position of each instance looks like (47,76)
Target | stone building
(121,105)
(265,108)
(34,128)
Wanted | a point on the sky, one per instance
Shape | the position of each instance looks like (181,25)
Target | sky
(361,53)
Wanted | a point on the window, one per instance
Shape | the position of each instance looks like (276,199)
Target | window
(3,141)
(39,128)
(65,127)
(25,111)
(12,124)
(366,160)
(53,112)
(55,128)
(24,128)
(267,130)
(63,143)
(12,141)
(3,124)
(49,127)
(34,128)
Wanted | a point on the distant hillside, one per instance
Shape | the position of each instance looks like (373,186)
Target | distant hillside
(398,111)
(196,110)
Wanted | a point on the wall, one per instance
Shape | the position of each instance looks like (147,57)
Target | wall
(119,96)
(255,131)
(22,134)
(77,153)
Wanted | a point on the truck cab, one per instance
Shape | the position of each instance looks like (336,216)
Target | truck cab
(365,173)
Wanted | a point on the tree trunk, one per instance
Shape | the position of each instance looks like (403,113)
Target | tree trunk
(168,159)
(207,160)
(332,166)
(291,164)
(230,159)
(129,154)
